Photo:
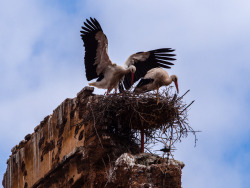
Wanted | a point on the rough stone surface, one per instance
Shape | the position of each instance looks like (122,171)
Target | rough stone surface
(67,149)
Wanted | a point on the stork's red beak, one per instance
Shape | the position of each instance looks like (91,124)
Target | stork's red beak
(132,78)
(176,85)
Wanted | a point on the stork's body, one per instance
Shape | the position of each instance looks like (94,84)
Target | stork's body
(108,74)
(154,79)
(112,76)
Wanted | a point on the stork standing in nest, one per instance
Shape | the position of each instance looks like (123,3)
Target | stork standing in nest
(154,79)
(108,74)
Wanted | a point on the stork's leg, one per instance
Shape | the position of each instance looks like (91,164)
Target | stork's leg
(142,140)
(158,100)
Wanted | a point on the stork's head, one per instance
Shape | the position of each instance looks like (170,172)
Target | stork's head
(175,80)
(132,69)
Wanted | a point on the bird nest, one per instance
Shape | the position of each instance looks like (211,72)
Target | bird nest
(164,120)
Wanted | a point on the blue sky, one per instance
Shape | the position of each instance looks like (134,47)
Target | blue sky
(41,64)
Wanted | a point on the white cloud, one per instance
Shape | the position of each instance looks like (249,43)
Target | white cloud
(41,65)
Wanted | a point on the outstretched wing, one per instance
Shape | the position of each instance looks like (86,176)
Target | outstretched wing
(96,46)
(144,61)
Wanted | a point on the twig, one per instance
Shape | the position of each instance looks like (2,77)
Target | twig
(95,127)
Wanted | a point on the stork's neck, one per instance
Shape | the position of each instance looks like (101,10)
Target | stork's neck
(169,80)
(124,66)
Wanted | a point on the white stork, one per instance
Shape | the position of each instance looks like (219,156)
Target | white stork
(108,74)
(154,79)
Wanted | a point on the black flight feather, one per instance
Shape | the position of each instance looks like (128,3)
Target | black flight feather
(88,34)
(144,81)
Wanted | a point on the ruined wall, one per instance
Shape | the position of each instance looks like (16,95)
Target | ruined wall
(67,149)
(51,141)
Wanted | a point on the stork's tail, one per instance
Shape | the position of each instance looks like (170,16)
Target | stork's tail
(120,87)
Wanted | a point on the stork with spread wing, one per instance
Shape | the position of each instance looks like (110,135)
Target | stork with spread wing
(108,74)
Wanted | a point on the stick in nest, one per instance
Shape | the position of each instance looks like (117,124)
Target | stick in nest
(133,112)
